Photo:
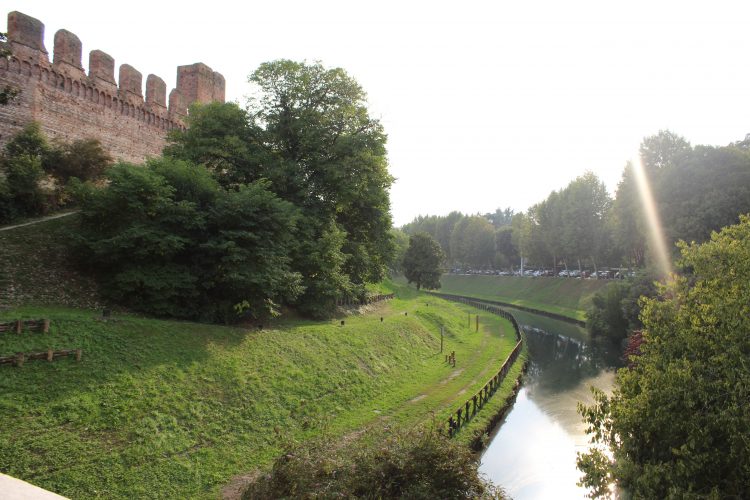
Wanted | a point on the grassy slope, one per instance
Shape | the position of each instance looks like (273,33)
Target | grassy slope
(174,409)
(565,296)
(34,267)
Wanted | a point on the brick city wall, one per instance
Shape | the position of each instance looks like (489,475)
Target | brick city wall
(70,105)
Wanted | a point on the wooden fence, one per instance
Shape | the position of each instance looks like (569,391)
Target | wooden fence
(18,326)
(482,306)
(20,358)
(466,412)
(370,299)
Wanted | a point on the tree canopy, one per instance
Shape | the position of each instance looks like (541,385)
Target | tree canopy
(678,421)
(285,202)
(423,261)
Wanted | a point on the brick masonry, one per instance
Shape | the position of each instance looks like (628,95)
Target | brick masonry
(70,105)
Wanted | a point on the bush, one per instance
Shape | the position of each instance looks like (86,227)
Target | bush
(84,159)
(166,239)
(418,463)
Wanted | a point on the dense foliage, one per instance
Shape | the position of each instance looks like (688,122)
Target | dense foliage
(37,177)
(419,464)
(678,421)
(615,311)
(423,261)
(283,203)
(168,240)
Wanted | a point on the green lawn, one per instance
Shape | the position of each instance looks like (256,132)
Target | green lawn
(174,410)
(566,296)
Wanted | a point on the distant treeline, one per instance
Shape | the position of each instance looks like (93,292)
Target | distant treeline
(698,189)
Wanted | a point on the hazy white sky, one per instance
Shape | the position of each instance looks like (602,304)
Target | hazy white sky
(486,104)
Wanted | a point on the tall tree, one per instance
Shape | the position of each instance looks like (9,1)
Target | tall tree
(332,161)
(586,210)
(663,150)
(629,225)
(423,261)
(473,242)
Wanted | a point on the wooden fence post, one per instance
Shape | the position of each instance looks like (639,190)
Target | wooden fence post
(50,354)
(79,352)
(477,329)
(19,359)
(19,326)
(45,326)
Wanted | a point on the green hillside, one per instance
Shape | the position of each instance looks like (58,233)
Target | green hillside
(176,410)
(566,296)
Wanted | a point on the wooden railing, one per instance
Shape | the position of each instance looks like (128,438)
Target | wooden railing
(18,326)
(466,412)
(20,358)
(33,325)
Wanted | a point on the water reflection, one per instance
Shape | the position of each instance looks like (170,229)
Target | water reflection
(533,454)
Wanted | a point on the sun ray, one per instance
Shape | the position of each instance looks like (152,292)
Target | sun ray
(655,232)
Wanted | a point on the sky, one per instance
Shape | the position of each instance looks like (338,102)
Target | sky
(486,104)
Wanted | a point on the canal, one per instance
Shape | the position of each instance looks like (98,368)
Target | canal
(533,454)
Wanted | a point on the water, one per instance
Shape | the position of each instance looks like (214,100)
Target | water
(533,454)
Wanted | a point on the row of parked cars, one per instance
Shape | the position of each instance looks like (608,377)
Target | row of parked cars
(565,273)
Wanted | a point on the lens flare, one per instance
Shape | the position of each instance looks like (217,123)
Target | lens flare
(655,231)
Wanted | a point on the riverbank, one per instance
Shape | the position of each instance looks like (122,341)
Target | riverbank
(565,297)
(174,409)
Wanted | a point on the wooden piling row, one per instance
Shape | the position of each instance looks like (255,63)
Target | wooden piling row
(20,358)
(18,326)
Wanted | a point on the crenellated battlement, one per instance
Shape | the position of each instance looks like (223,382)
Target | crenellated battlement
(71,104)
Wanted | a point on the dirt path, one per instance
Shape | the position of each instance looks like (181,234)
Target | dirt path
(37,221)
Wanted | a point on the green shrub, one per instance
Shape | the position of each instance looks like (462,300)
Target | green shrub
(166,239)
(419,463)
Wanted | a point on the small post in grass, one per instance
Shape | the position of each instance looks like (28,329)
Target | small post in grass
(441,339)
(477,323)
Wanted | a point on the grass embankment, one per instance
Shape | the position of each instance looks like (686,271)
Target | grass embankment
(175,410)
(565,296)
(34,267)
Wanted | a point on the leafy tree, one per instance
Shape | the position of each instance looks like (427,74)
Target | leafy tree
(84,159)
(704,191)
(166,239)
(423,260)
(522,234)
(605,316)
(665,149)
(500,218)
(629,225)
(331,164)
(440,227)
(506,253)
(473,242)
(21,166)
(221,137)
(678,421)
(586,206)
(401,244)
